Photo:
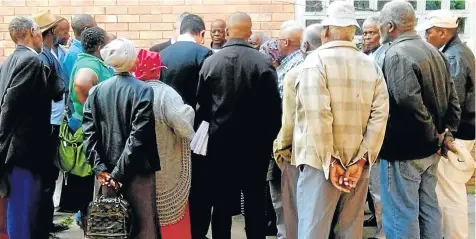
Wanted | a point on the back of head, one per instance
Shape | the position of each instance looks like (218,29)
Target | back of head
(93,39)
(239,26)
(179,20)
(81,22)
(20,27)
(400,13)
(288,23)
(120,54)
(192,24)
(311,38)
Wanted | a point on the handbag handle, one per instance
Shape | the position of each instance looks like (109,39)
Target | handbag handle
(116,189)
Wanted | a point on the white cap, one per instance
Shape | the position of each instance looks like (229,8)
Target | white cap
(439,18)
(458,167)
(340,14)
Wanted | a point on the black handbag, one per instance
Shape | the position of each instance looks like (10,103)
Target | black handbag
(109,217)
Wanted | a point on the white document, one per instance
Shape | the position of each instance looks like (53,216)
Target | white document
(199,142)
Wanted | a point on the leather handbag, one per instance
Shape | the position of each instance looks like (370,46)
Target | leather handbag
(109,217)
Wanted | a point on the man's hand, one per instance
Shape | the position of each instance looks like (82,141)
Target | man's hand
(105,179)
(353,174)
(448,144)
(336,172)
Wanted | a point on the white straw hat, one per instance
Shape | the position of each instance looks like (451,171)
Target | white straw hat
(458,167)
(340,14)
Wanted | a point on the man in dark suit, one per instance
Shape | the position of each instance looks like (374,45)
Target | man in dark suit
(159,47)
(238,96)
(185,58)
(24,126)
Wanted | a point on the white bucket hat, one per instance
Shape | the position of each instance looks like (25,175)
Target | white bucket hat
(340,14)
(438,18)
(458,167)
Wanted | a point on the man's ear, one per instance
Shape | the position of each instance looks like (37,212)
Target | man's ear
(391,26)
(227,32)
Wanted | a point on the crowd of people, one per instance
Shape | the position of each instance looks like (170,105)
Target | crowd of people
(305,127)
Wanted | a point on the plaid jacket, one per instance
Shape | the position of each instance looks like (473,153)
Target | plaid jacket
(341,107)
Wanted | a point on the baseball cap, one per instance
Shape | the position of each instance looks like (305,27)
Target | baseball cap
(340,14)
(439,18)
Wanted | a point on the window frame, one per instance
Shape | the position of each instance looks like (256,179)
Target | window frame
(469,12)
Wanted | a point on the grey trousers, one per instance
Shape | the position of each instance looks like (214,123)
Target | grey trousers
(289,188)
(374,188)
(325,212)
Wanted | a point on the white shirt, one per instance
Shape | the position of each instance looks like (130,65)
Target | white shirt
(31,49)
(186,37)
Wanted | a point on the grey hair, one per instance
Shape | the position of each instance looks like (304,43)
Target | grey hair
(288,23)
(372,20)
(263,38)
(401,13)
(180,18)
(312,35)
(80,22)
(341,33)
(20,26)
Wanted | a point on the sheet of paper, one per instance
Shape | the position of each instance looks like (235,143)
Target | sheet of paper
(199,142)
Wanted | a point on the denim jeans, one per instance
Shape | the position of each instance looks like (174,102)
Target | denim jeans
(409,202)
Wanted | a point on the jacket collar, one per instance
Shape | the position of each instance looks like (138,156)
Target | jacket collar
(455,40)
(333,44)
(23,47)
(237,42)
(405,37)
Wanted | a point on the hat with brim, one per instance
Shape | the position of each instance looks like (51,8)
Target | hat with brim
(340,14)
(46,20)
(459,166)
(438,18)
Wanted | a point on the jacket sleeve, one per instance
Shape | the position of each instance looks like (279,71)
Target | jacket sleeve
(377,123)
(469,100)
(270,103)
(141,143)
(92,146)
(56,86)
(28,78)
(178,115)
(203,97)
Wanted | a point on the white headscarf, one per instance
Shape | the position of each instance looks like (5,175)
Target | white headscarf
(120,54)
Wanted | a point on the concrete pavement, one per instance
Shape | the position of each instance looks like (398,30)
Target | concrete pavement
(238,225)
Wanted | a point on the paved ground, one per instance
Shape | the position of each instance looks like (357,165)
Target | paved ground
(238,225)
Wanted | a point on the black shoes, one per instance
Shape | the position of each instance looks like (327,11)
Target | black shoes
(371,222)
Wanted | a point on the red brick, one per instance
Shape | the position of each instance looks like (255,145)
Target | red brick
(238,1)
(4,27)
(82,3)
(161,9)
(128,18)
(129,35)
(289,8)
(150,18)
(54,10)
(8,51)
(213,17)
(7,11)
(105,2)
(106,18)
(147,35)
(181,9)
(282,16)
(71,10)
(267,1)
(14,3)
(168,34)
(271,8)
(247,8)
(116,27)
(139,26)
(213,1)
(275,33)
(173,2)
(261,17)
(94,10)
(138,10)
(36,3)
(169,17)
(270,25)
(7,44)
(6,20)
(102,25)
(1,51)
(59,3)
(162,26)
(193,2)
(127,2)
(151,2)
(25,10)
(116,10)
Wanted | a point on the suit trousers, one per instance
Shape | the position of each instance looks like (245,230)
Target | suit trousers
(453,202)
(289,187)
(24,202)
(325,212)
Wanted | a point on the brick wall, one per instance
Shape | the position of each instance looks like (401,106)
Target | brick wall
(147,22)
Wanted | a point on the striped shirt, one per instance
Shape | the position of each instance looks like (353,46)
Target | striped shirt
(341,107)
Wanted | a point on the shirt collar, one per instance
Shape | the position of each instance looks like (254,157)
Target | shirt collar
(186,37)
(31,49)
(333,44)
(291,57)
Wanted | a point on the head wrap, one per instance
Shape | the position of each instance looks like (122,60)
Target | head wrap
(148,65)
(120,54)
(271,48)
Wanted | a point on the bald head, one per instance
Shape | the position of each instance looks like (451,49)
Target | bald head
(311,38)
(290,39)
(239,26)
(257,39)
(80,22)
(217,33)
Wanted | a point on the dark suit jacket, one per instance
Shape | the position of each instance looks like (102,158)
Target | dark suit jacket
(184,61)
(25,112)
(238,96)
(159,47)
